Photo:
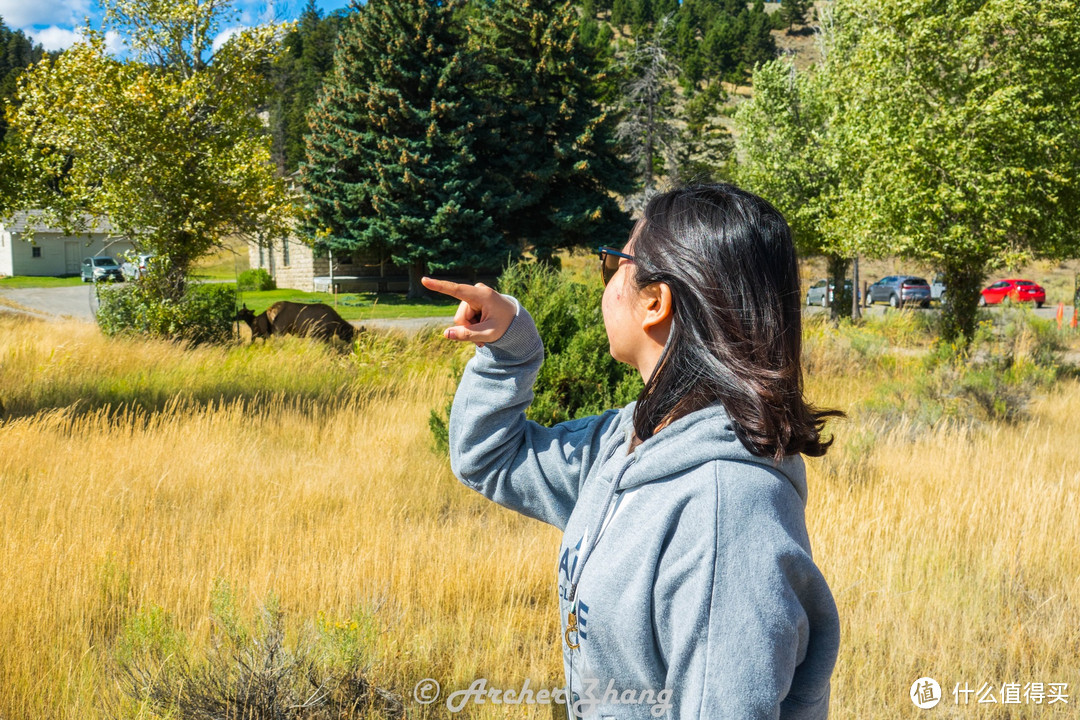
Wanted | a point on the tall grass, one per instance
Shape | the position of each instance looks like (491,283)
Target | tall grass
(137,478)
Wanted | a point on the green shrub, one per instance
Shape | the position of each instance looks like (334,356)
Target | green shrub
(204,314)
(255,280)
(579,377)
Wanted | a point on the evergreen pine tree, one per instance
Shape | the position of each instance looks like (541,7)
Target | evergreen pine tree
(552,155)
(794,12)
(297,76)
(390,166)
(17,52)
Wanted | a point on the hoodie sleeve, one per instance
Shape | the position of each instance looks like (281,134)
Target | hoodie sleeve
(515,462)
(745,621)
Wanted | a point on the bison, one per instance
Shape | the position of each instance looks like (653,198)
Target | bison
(288,318)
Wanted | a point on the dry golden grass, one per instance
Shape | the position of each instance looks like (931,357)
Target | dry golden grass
(290,470)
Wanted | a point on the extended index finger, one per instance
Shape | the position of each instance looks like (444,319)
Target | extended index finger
(469,293)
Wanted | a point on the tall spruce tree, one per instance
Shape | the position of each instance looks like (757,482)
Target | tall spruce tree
(552,154)
(297,76)
(390,156)
(17,52)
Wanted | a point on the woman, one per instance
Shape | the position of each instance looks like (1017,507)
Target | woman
(685,569)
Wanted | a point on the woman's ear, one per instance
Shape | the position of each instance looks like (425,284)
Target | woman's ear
(656,299)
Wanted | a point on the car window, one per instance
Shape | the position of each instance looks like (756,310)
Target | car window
(819,283)
(1024,282)
(998,285)
(916,281)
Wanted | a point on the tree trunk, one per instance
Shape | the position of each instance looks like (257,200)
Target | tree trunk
(963,280)
(856,305)
(838,267)
(416,289)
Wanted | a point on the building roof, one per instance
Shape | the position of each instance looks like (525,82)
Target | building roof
(17,222)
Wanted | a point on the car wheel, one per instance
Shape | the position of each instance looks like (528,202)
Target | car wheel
(1039,305)
(894,301)
(982,301)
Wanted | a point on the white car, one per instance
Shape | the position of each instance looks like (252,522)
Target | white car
(135,267)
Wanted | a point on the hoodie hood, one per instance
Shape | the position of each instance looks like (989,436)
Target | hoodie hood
(695,439)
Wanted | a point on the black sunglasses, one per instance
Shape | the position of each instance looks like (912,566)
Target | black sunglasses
(609,262)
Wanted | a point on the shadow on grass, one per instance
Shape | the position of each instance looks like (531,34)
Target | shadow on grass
(139,409)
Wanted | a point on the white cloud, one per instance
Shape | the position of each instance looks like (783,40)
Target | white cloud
(51,13)
(54,38)
(58,38)
(114,44)
(224,35)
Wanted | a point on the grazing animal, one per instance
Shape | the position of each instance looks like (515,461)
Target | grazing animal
(288,318)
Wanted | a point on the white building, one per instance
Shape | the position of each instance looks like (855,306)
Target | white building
(51,252)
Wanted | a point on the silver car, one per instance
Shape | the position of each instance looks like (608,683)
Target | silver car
(899,290)
(101,269)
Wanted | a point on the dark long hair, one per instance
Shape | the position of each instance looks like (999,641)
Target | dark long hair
(736,331)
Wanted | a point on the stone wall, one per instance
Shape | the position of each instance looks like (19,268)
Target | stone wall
(293,265)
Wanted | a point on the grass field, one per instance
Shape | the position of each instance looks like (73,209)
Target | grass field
(141,483)
(356,306)
(35,281)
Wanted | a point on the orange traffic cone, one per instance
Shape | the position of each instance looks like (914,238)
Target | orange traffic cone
(1073,323)
(1060,314)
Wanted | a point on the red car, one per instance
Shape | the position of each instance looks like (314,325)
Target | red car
(1013,291)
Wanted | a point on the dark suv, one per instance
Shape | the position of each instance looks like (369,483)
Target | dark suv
(899,290)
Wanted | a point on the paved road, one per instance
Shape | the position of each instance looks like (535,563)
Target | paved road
(1048,311)
(78,302)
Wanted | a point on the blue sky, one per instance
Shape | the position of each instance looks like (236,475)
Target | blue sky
(54,23)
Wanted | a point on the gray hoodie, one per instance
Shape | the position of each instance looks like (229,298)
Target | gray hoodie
(687,560)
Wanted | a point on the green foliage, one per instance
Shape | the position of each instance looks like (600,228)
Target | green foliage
(258,280)
(550,150)
(793,12)
(706,150)
(579,377)
(297,75)
(150,633)
(720,40)
(165,147)
(954,116)
(17,52)
(203,314)
(391,156)
(787,154)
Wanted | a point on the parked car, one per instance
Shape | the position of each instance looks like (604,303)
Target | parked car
(937,289)
(816,294)
(101,269)
(135,266)
(1013,290)
(899,290)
